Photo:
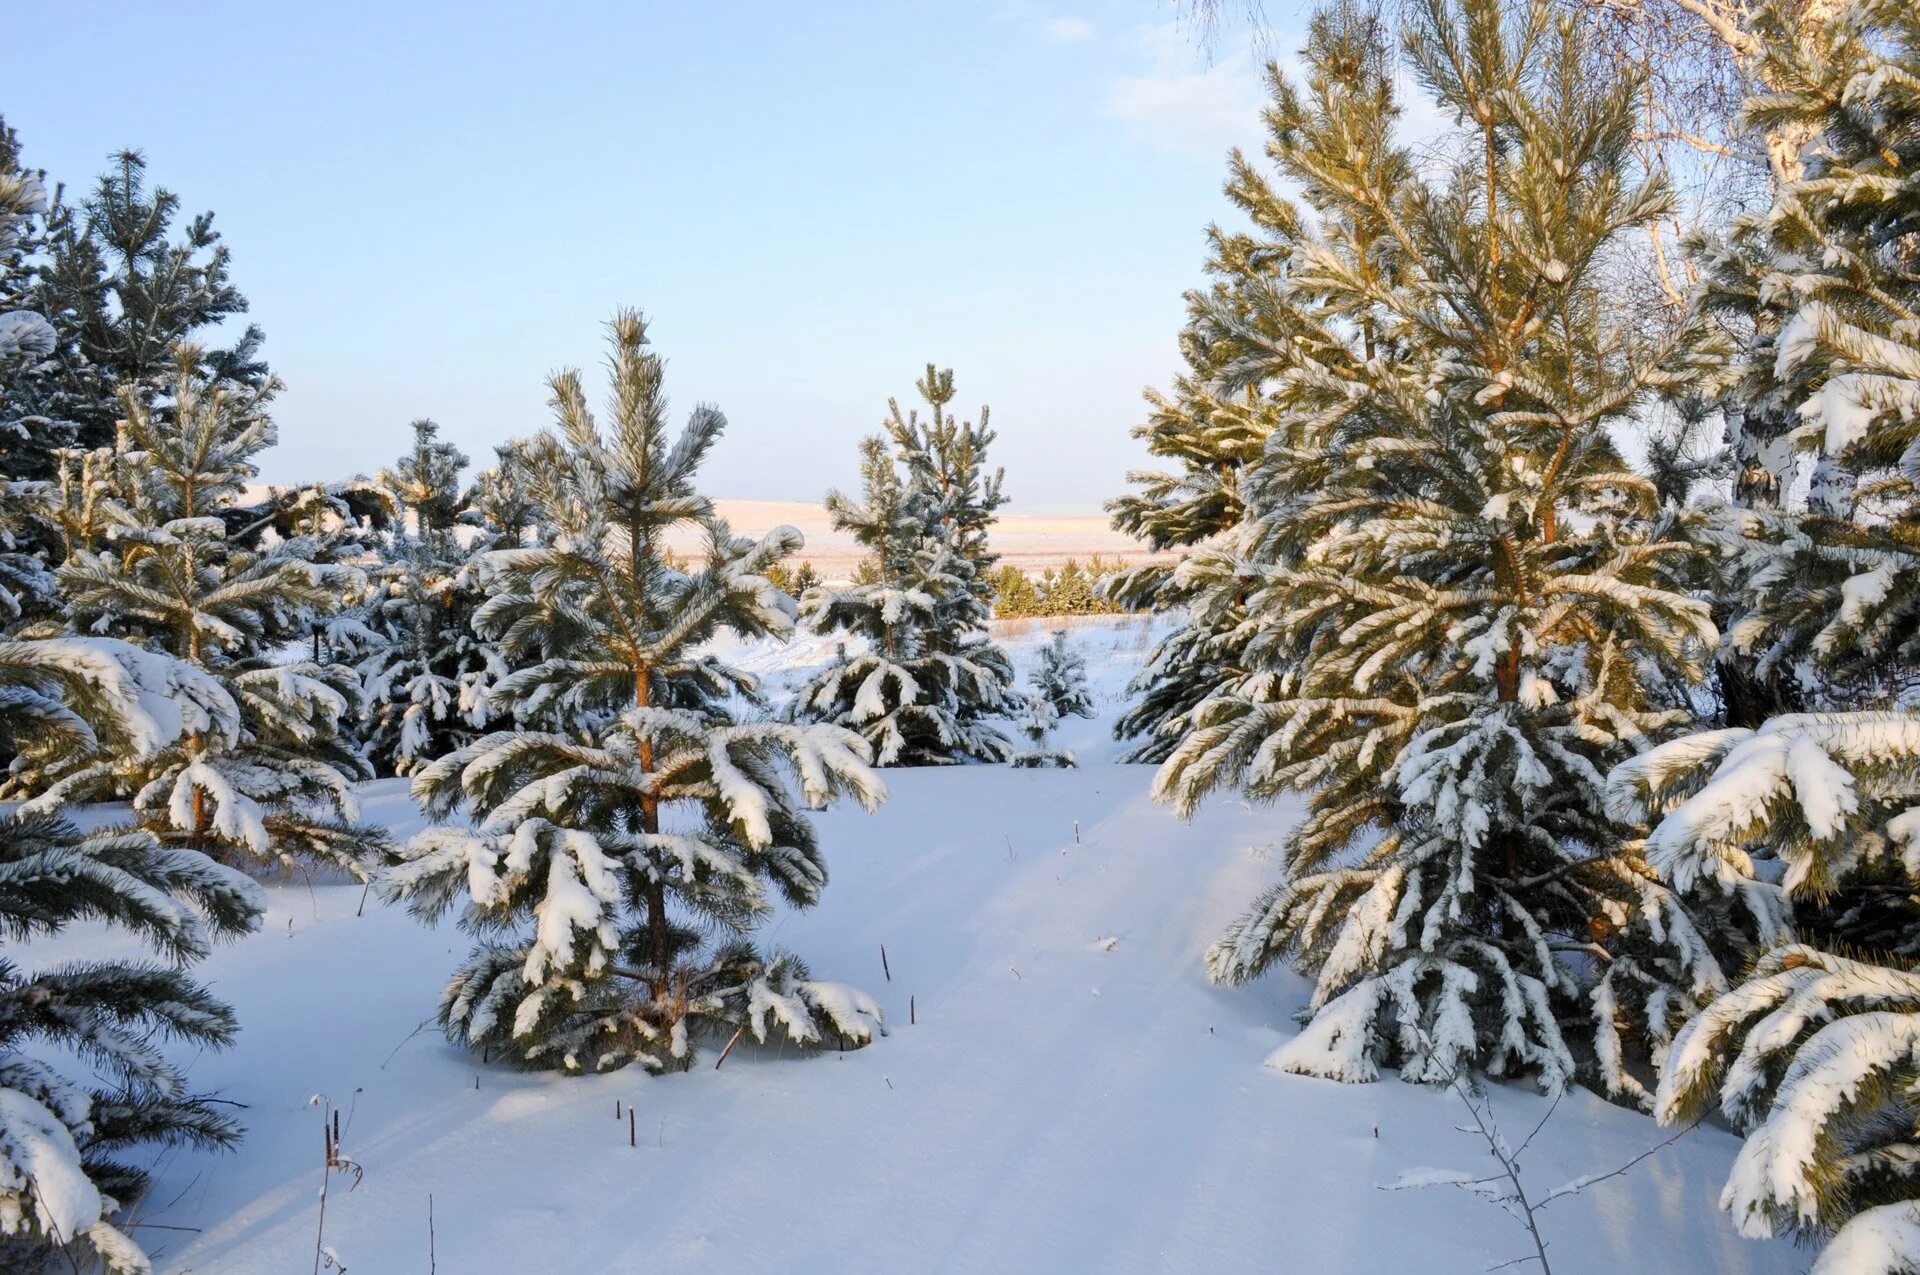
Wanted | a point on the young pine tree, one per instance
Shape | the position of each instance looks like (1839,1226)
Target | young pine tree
(1059,689)
(950,492)
(616,866)
(277,790)
(425,673)
(927,677)
(25,334)
(26,586)
(930,675)
(1459,604)
(129,284)
(501,504)
(1816,1055)
(64,1127)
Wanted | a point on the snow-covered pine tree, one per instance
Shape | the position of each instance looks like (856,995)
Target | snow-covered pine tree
(951,493)
(1817,1055)
(425,673)
(26,586)
(25,334)
(127,284)
(120,283)
(1822,600)
(952,498)
(82,1075)
(500,505)
(1217,420)
(28,341)
(929,677)
(1058,689)
(168,569)
(1036,721)
(1060,678)
(1460,605)
(615,871)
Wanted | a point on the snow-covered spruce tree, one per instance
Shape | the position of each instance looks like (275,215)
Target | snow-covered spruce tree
(929,678)
(616,870)
(1817,1055)
(82,1075)
(1460,604)
(424,672)
(1058,689)
(168,570)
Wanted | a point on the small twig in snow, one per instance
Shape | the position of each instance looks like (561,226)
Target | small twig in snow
(420,1027)
(1506,1188)
(1580,1184)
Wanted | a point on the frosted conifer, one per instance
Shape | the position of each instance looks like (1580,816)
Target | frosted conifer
(1449,603)
(62,1175)
(929,677)
(1816,1055)
(1058,689)
(615,871)
(277,787)
(425,674)
(1060,678)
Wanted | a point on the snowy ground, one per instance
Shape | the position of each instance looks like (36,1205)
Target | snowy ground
(1072,1096)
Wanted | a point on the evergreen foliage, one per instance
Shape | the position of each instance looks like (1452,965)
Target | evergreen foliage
(929,677)
(794,581)
(1059,689)
(1216,423)
(1060,678)
(25,338)
(1072,590)
(1815,1054)
(424,672)
(62,1134)
(122,284)
(273,785)
(1448,605)
(950,492)
(501,504)
(615,869)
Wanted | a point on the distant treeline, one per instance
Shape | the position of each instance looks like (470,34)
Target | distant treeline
(1072,590)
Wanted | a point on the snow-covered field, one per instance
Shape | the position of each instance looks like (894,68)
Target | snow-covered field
(1061,1091)
(1034,542)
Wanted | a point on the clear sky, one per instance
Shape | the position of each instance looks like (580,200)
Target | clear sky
(432,206)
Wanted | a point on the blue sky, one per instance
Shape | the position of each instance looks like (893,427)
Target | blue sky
(432,206)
